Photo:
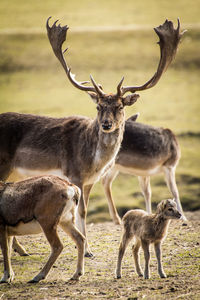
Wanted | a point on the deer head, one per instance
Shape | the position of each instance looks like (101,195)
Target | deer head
(111,106)
(168,209)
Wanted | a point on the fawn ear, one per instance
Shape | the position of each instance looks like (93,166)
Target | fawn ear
(130,99)
(94,97)
(161,206)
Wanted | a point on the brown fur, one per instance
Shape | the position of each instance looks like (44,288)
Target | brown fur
(146,229)
(82,149)
(34,205)
(145,151)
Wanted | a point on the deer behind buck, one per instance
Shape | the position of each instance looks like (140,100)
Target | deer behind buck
(145,151)
(81,148)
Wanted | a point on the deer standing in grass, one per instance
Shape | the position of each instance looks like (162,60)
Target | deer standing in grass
(146,229)
(80,148)
(145,151)
(39,204)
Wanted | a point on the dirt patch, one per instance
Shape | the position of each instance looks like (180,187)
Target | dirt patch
(181,260)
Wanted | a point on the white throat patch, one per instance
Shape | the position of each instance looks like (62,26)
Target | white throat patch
(70,192)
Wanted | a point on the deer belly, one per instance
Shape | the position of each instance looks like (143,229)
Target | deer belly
(23,172)
(28,158)
(21,228)
(138,172)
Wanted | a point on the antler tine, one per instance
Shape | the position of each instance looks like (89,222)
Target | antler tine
(98,88)
(119,91)
(57,36)
(169,39)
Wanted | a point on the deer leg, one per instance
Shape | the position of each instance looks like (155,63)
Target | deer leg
(81,214)
(17,247)
(126,238)
(56,248)
(135,249)
(145,246)
(158,252)
(146,191)
(171,183)
(5,242)
(79,239)
(86,193)
(107,184)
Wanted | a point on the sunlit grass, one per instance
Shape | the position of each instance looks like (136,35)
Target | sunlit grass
(95,13)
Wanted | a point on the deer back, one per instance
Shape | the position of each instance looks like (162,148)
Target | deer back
(145,146)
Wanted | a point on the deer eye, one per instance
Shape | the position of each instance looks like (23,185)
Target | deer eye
(98,107)
(120,107)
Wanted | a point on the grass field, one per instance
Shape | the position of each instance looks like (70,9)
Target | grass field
(108,40)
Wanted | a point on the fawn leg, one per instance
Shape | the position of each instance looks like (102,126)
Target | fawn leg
(126,238)
(145,246)
(135,249)
(157,247)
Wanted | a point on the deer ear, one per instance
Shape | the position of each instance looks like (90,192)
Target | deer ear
(134,117)
(130,99)
(93,96)
(161,206)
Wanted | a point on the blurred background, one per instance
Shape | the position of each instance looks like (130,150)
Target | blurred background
(108,39)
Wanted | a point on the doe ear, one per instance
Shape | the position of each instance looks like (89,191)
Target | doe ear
(93,96)
(130,99)
(134,117)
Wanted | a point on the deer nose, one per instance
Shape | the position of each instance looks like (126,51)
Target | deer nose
(106,125)
(179,215)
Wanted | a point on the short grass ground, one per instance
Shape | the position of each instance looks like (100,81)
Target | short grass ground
(181,262)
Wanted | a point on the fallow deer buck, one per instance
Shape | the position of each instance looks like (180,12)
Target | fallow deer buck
(145,151)
(81,148)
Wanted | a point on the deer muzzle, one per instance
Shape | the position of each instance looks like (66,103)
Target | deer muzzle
(107,125)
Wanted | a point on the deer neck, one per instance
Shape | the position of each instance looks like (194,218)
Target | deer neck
(108,144)
(106,149)
(160,226)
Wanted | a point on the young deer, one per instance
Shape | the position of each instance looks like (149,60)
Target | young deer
(145,151)
(80,148)
(146,229)
(39,204)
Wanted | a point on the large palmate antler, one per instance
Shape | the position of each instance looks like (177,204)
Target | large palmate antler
(169,39)
(57,36)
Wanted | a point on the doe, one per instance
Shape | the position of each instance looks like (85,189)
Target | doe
(35,205)
(146,229)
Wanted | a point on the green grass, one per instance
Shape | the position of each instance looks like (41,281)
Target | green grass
(32,81)
(29,15)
